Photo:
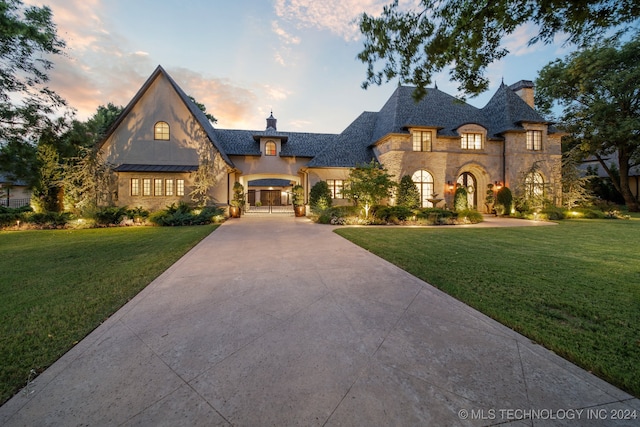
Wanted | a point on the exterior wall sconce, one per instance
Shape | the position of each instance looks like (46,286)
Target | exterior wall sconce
(498,184)
(450,185)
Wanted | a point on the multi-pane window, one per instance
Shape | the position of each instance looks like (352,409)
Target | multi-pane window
(180,187)
(146,187)
(534,140)
(424,182)
(534,186)
(336,186)
(135,187)
(168,187)
(421,140)
(161,131)
(157,187)
(471,141)
(270,148)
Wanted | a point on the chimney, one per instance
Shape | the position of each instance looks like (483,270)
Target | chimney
(524,89)
(271,122)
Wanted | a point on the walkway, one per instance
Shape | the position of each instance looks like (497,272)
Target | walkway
(277,321)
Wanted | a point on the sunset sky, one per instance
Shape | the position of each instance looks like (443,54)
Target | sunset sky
(242,58)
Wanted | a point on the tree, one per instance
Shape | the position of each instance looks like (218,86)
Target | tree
(367,185)
(467,35)
(320,197)
(408,194)
(597,89)
(203,108)
(575,186)
(27,38)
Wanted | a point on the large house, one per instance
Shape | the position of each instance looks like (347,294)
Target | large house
(162,148)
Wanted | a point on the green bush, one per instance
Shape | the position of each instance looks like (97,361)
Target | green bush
(436,216)
(393,214)
(469,216)
(111,215)
(408,194)
(48,219)
(460,200)
(504,200)
(339,215)
(553,213)
(183,214)
(10,216)
(320,197)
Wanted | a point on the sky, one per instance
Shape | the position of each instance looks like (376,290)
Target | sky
(244,59)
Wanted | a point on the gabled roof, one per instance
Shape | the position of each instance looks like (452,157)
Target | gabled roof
(506,111)
(191,106)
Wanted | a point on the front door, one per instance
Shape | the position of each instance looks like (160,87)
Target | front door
(270,198)
(469,181)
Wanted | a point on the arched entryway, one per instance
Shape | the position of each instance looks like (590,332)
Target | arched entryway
(469,181)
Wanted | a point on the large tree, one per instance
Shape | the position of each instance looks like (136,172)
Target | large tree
(368,185)
(598,91)
(27,39)
(467,35)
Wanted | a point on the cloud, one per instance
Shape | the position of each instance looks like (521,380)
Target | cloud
(284,36)
(517,43)
(337,16)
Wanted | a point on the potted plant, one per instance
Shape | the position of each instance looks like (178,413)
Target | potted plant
(490,199)
(298,200)
(237,203)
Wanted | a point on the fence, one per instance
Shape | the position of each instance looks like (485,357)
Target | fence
(15,203)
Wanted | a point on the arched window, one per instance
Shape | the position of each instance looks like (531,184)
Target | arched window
(424,181)
(161,131)
(270,148)
(534,185)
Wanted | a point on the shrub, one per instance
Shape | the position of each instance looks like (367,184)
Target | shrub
(553,213)
(436,216)
(504,199)
(10,216)
(469,216)
(48,219)
(460,201)
(392,214)
(182,214)
(408,194)
(339,215)
(320,197)
(111,215)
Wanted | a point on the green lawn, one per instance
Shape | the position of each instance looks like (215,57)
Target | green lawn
(574,287)
(57,286)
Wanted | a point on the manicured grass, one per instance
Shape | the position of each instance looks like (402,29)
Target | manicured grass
(59,285)
(574,287)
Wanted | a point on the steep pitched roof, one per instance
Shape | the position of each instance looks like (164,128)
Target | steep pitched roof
(506,111)
(437,109)
(295,144)
(191,106)
(351,147)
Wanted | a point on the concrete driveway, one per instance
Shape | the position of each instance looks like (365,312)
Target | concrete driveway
(278,321)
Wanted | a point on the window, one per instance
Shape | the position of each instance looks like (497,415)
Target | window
(146,187)
(270,148)
(135,187)
(168,187)
(534,140)
(424,182)
(336,186)
(180,187)
(161,131)
(471,141)
(534,186)
(421,141)
(157,187)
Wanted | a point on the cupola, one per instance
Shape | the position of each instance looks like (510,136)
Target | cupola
(272,122)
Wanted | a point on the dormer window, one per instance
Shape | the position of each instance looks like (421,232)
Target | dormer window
(270,148)
(161,131)
(534,140)
(421,140)
(471,141)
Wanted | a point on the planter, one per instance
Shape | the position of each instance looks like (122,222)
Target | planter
(300,210)
(489,207)
(234,211)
